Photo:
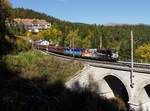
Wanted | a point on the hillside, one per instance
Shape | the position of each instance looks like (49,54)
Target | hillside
(29,13)
(88,35)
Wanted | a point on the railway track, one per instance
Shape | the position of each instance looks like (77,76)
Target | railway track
(138,65)
(119,63)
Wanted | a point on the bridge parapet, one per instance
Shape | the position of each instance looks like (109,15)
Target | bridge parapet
(121,67)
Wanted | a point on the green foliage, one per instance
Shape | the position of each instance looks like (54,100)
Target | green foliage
(22,45)
(125,50)
(34,64)
(73,39)
(6,16)
(87,42)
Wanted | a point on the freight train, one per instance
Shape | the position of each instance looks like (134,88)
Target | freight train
(96,54)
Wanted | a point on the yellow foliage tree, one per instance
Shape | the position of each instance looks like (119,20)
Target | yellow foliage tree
(36,37)
(143,52)
(51,34)
(28,35)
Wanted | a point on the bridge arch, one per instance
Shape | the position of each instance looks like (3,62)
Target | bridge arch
(113,85)
(143,92)
(147,89)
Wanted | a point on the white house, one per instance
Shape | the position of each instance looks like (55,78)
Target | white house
(42,42)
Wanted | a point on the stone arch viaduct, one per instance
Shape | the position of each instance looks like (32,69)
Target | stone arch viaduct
(116,81)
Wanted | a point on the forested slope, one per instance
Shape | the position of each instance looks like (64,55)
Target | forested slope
(88,35)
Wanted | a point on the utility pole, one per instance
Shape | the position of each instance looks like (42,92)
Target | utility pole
(70,43)
(131,74)
(73,46)
(100,42)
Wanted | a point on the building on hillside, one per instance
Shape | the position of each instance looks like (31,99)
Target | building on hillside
(42,42)
(33,25)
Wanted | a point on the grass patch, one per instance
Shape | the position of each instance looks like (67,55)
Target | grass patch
(34,64)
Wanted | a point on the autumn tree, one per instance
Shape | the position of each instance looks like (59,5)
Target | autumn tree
(52,35)
(28,34)
(143,52)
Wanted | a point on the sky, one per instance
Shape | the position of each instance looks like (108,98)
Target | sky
(92,11)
